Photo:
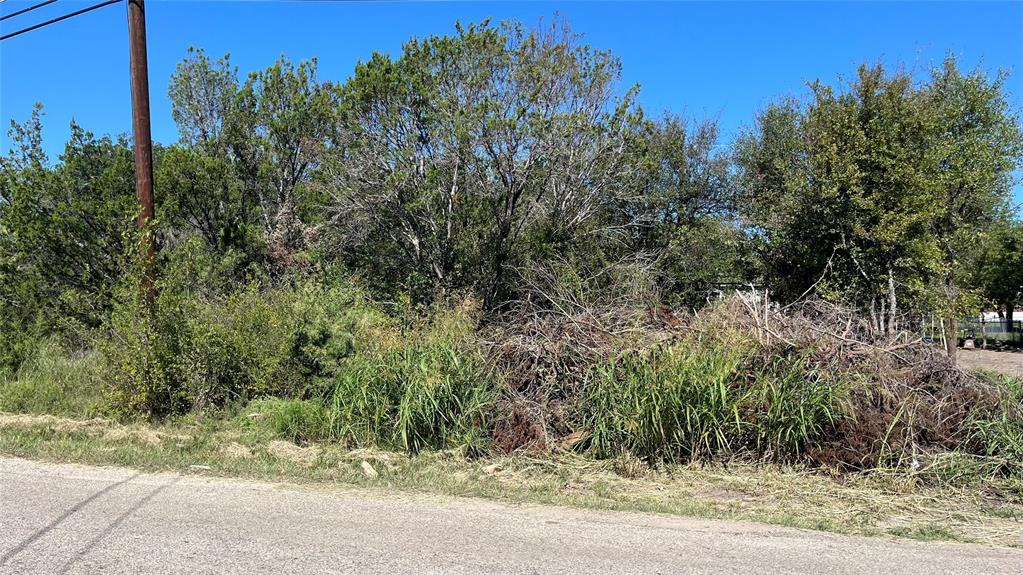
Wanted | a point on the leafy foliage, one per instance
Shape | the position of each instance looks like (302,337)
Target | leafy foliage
(336,255)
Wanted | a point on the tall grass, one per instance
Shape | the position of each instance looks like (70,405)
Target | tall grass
(674,404)
(1000,434)
(692,401)
(55,381)
(432,390)
(789,406)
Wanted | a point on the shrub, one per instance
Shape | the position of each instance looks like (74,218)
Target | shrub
(201,349)
(238,348)
(334,321)
(143,352)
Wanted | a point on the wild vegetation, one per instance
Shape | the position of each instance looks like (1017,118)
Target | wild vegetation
(485,243)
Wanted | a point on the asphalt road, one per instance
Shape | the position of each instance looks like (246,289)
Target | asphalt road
(57,519)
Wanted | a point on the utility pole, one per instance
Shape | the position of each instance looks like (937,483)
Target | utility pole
(143,146)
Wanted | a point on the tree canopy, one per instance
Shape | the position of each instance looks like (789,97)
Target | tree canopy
(469,162)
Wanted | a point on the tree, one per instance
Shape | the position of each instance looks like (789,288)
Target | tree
(852,213)
(975,144)
(683,210)
(63,228)
(284,122)
(884,189)
(246,149)
(1001,267)
(200,179)
(468,153)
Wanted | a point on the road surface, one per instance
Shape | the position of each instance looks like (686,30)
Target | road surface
(57,519)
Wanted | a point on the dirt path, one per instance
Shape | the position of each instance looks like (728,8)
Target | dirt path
(74,519)
(1007,362)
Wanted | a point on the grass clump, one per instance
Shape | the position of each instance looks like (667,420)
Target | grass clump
(295,420)
(431,388)
(54,381)
(674,404)
(696,400)
(999,433)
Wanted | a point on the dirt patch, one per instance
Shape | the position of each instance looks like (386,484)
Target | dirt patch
(305,456)
(1007,362)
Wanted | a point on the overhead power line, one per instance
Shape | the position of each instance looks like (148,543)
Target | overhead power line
(59,18)
(29,9)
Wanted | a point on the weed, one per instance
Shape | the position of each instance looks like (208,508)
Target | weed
(55,381)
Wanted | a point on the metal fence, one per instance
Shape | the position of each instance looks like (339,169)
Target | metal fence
(992,330)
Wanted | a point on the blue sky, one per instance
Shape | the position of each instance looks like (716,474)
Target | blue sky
(724,60)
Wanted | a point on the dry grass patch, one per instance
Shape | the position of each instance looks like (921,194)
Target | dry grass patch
(305,456)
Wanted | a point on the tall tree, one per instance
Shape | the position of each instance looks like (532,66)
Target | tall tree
(975,144)
(884,188)
(1001,267)
(683,209)
(63,228)
(469,150)
(247,148)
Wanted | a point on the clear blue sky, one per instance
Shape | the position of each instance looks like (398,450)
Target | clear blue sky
(724,60)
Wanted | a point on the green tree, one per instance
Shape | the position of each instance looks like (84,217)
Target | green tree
(469,154)
(851,214)
(975,144)
(882,192)
(247,151)
(62,230)
(1001,267)
(683,208)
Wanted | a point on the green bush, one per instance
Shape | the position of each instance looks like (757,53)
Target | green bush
(197,351)
(239,348)
(55,381)
(195,354)
(203,350)
(334,321)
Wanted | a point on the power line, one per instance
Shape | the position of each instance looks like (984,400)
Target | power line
(59,18)
(29,9)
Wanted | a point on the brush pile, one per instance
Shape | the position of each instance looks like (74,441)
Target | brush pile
(903,398)
(812,382)
(550,341)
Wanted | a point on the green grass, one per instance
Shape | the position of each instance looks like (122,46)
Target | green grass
(431,391)
(698,401)
(55,382)
(927,532)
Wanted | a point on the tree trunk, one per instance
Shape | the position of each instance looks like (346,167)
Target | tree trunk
(949,323)
(983,330)
(892,302)
(951,337)
(1009,308)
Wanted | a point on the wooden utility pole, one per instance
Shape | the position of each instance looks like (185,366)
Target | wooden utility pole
(143,145)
